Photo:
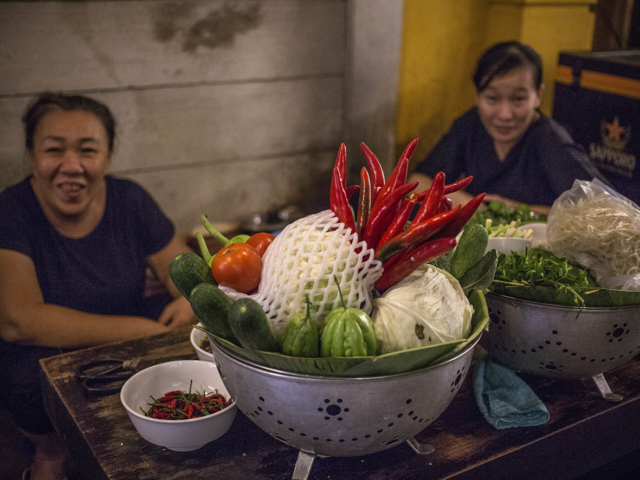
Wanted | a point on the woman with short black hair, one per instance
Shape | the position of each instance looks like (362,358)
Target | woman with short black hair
(75,244)
(514,152)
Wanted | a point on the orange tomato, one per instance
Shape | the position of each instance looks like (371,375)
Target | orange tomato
(260,241)
(237,266)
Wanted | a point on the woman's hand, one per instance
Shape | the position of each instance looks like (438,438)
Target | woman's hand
(177,314)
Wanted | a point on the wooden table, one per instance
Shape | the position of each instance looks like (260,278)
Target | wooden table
(583,433)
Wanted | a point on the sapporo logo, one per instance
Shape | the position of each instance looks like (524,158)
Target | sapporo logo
(611,154)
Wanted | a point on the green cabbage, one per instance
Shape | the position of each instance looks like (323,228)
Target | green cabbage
(426,308)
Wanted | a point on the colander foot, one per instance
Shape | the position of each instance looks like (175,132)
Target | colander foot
(303,466)
(605,391)
(420,448)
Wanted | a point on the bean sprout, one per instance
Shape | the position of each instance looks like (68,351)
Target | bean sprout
(601,232)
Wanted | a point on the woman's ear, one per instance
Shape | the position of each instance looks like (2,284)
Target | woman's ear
(540,93)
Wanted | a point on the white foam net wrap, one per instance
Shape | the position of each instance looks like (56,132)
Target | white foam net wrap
(303,259)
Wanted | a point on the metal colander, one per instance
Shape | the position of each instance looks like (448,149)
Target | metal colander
(559,341)
(342,417)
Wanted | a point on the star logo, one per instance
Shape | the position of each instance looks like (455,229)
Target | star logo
(615,130)
(613,134)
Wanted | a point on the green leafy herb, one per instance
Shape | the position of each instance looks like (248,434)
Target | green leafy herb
(540,268)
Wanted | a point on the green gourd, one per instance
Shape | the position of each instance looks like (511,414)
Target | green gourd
(348,332)
(300,336)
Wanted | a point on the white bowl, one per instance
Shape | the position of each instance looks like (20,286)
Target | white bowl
(539,238)
(507,245)
(178,435)
(197,336)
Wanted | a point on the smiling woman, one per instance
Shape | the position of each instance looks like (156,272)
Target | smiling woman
(513,151)
(75,244)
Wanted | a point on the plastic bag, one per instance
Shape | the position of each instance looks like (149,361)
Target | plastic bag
(593,225)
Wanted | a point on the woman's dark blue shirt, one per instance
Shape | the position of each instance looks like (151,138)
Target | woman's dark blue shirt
(542,165)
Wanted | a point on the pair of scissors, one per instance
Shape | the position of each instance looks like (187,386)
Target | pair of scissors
(106,375)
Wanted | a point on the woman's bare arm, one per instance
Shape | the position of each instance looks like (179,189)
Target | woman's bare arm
(178,312)
(26,319)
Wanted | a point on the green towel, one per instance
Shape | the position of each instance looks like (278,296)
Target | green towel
(504,399)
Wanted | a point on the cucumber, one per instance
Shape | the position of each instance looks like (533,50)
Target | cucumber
(211,306)
(471,247)
(187,270)
(250,325)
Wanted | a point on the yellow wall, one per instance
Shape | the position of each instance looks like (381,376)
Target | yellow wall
(442,40)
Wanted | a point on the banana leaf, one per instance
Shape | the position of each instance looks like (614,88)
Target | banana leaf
(388,364)
(592,297)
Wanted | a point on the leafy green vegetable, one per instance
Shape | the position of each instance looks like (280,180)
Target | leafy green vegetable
(501,214)
(541,268)
(442,262)
(480,275)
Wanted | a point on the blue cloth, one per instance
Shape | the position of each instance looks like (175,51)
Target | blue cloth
(504,399)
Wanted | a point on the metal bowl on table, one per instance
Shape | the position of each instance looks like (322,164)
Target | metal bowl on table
(562,342)
(342,417)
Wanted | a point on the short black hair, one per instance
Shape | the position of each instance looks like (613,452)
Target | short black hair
(504,57)
(50,102)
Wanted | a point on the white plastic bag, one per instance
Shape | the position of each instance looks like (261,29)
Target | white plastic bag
(593,225)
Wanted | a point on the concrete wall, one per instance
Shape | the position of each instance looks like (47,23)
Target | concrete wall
(224,107)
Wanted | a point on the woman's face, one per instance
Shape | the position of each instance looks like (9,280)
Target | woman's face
(508,105)
(70,158)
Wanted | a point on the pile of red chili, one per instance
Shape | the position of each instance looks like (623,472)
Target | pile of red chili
(384,211)
(179,405)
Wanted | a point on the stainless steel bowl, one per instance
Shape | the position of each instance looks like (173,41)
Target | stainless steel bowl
(558,341)
(342,417)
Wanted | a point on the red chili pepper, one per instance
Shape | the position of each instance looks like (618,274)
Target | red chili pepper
(408,151)
(430,205)
(416,234)
(445,205)
(339,201)
(364,202)
(389,185)
(351,189)
(399,221)
(397,271)
(166,398)
(452,187)
(377,174)
(341,162)
(455,227)
(399,175)
(383,212)
(341,167)
(190,411)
